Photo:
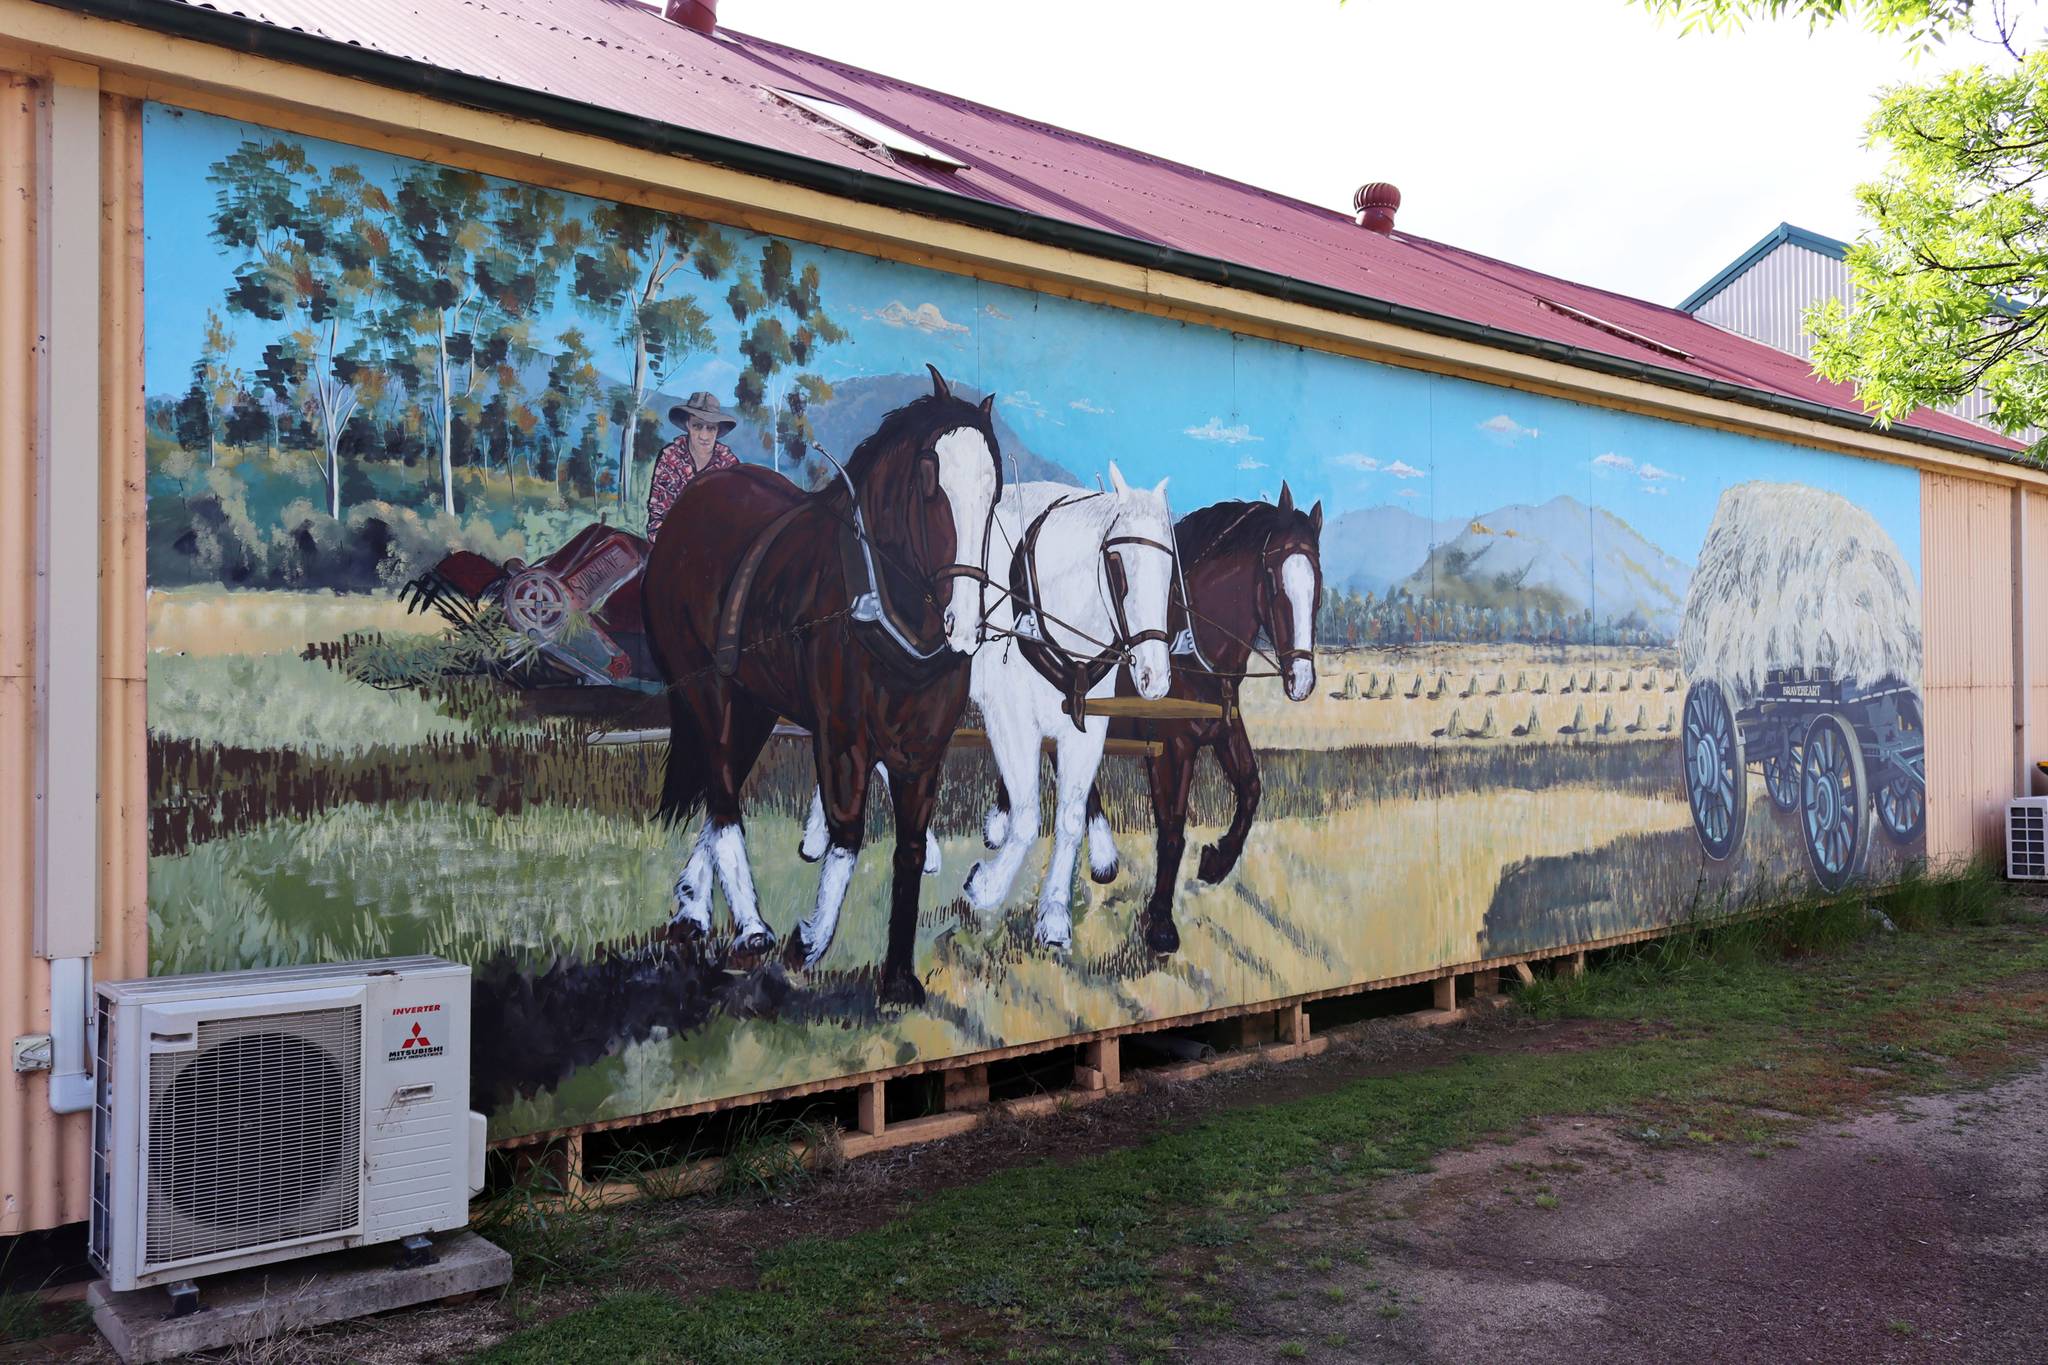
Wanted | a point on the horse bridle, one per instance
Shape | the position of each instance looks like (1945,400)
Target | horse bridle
(1072,675)
(1294,653)
(869,605)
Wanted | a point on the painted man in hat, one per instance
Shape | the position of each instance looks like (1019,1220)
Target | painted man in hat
(700,447)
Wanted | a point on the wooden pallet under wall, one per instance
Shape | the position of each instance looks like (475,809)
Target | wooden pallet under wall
(1271,1031)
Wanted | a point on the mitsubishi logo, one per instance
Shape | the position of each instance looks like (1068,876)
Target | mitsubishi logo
(414,1039)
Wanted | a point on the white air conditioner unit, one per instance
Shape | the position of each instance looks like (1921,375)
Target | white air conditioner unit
(250,1117)
(2026,839)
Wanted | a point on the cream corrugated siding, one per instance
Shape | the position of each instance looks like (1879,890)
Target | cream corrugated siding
(44,1159)
(27,1159)
(1966,544)
(2036,629)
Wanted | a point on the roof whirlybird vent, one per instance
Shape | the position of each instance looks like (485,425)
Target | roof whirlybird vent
(869,130)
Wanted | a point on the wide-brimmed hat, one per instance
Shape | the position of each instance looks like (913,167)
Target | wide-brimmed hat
(704,408)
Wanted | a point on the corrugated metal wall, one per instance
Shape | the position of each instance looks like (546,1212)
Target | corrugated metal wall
(1768,303)
(1967,607)
(44,1159)
(27,1164)
(2035,535)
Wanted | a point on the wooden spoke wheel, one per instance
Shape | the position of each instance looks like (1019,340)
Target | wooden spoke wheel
(1716,774)
(1835,801)
(1781,770)
(536,603)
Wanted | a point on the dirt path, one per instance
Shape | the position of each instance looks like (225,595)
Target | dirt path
(1912,1235)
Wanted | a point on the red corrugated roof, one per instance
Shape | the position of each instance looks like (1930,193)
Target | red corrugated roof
(623,56)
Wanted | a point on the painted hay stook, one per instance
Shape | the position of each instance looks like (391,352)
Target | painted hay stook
(1797,577)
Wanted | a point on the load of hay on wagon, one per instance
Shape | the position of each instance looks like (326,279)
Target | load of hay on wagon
(1801,646)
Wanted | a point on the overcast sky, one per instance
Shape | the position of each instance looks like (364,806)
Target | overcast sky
(1578,137)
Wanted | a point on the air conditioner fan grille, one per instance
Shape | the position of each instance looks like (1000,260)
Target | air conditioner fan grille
(255,1137)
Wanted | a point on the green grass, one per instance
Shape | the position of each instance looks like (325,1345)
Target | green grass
(1066,1253)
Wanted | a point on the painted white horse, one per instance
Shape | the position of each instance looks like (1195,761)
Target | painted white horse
(1079,593)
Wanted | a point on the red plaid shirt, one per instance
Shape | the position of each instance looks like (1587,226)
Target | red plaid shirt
(673,471)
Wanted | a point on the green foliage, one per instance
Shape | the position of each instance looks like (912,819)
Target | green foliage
(1922,21)
(1952,268)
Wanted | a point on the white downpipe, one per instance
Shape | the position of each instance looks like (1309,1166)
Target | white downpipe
(68,563)
(2022,674)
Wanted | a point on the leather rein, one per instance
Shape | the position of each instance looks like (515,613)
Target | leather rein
(870,604)
(1070,674)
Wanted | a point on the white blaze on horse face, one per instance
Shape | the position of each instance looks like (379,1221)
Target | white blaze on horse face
(1298,581)
(967,476)
(1149,575)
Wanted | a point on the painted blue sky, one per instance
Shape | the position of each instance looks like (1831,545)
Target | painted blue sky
(1223,416)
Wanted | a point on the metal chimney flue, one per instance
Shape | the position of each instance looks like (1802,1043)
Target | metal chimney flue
(701,15)
(1376,204)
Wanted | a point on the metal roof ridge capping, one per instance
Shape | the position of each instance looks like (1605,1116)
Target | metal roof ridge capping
(626,59)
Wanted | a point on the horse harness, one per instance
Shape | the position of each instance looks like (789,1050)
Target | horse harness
(872,612)
(1072,676)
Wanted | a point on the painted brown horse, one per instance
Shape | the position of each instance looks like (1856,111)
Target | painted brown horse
(851,611)
(1253,570)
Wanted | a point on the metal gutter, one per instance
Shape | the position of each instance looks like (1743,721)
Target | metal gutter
(346,59)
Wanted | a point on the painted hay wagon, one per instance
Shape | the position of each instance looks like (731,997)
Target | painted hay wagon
(1801,638)
(1828,751)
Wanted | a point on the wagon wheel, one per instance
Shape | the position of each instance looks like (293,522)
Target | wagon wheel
(1902,801)
(536,603)
(1716,774)
(1781,770)
(1834,791)
(1901,806)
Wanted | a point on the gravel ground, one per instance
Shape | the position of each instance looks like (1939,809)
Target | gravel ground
(1916,1234)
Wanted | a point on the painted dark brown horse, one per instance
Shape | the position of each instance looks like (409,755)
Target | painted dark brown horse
(1253,570)
(851,611)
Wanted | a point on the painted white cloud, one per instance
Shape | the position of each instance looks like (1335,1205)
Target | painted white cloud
(1654,491)
(998,314)
(1620,464)
(1502,427)
(926,318)
(1214,430)
(1652,472)
(1092,409)
(1408,493)
(1022,401)
(1401,469)
(1363,463)
(1247,462)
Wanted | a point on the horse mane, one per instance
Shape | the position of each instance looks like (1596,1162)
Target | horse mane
(928,412)
(1224,528)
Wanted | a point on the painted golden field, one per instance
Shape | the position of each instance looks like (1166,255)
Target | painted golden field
(301,815)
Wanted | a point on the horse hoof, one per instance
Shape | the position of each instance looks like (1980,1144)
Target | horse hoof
(1161,936)
(933,860)
(795,951)
(683,929)
(1103,876)
(754,942)
(1215,864)
(803,850)
(995,827)
(902,988)
(1056,934)
(976,890)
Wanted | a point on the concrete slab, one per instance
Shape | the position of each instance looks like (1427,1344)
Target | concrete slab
(250,1306)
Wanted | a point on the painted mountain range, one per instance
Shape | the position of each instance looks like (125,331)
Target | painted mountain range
(1559,555)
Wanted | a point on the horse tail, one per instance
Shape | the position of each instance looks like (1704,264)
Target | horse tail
(683,784)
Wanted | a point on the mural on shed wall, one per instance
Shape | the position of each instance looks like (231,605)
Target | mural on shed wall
(765,663)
